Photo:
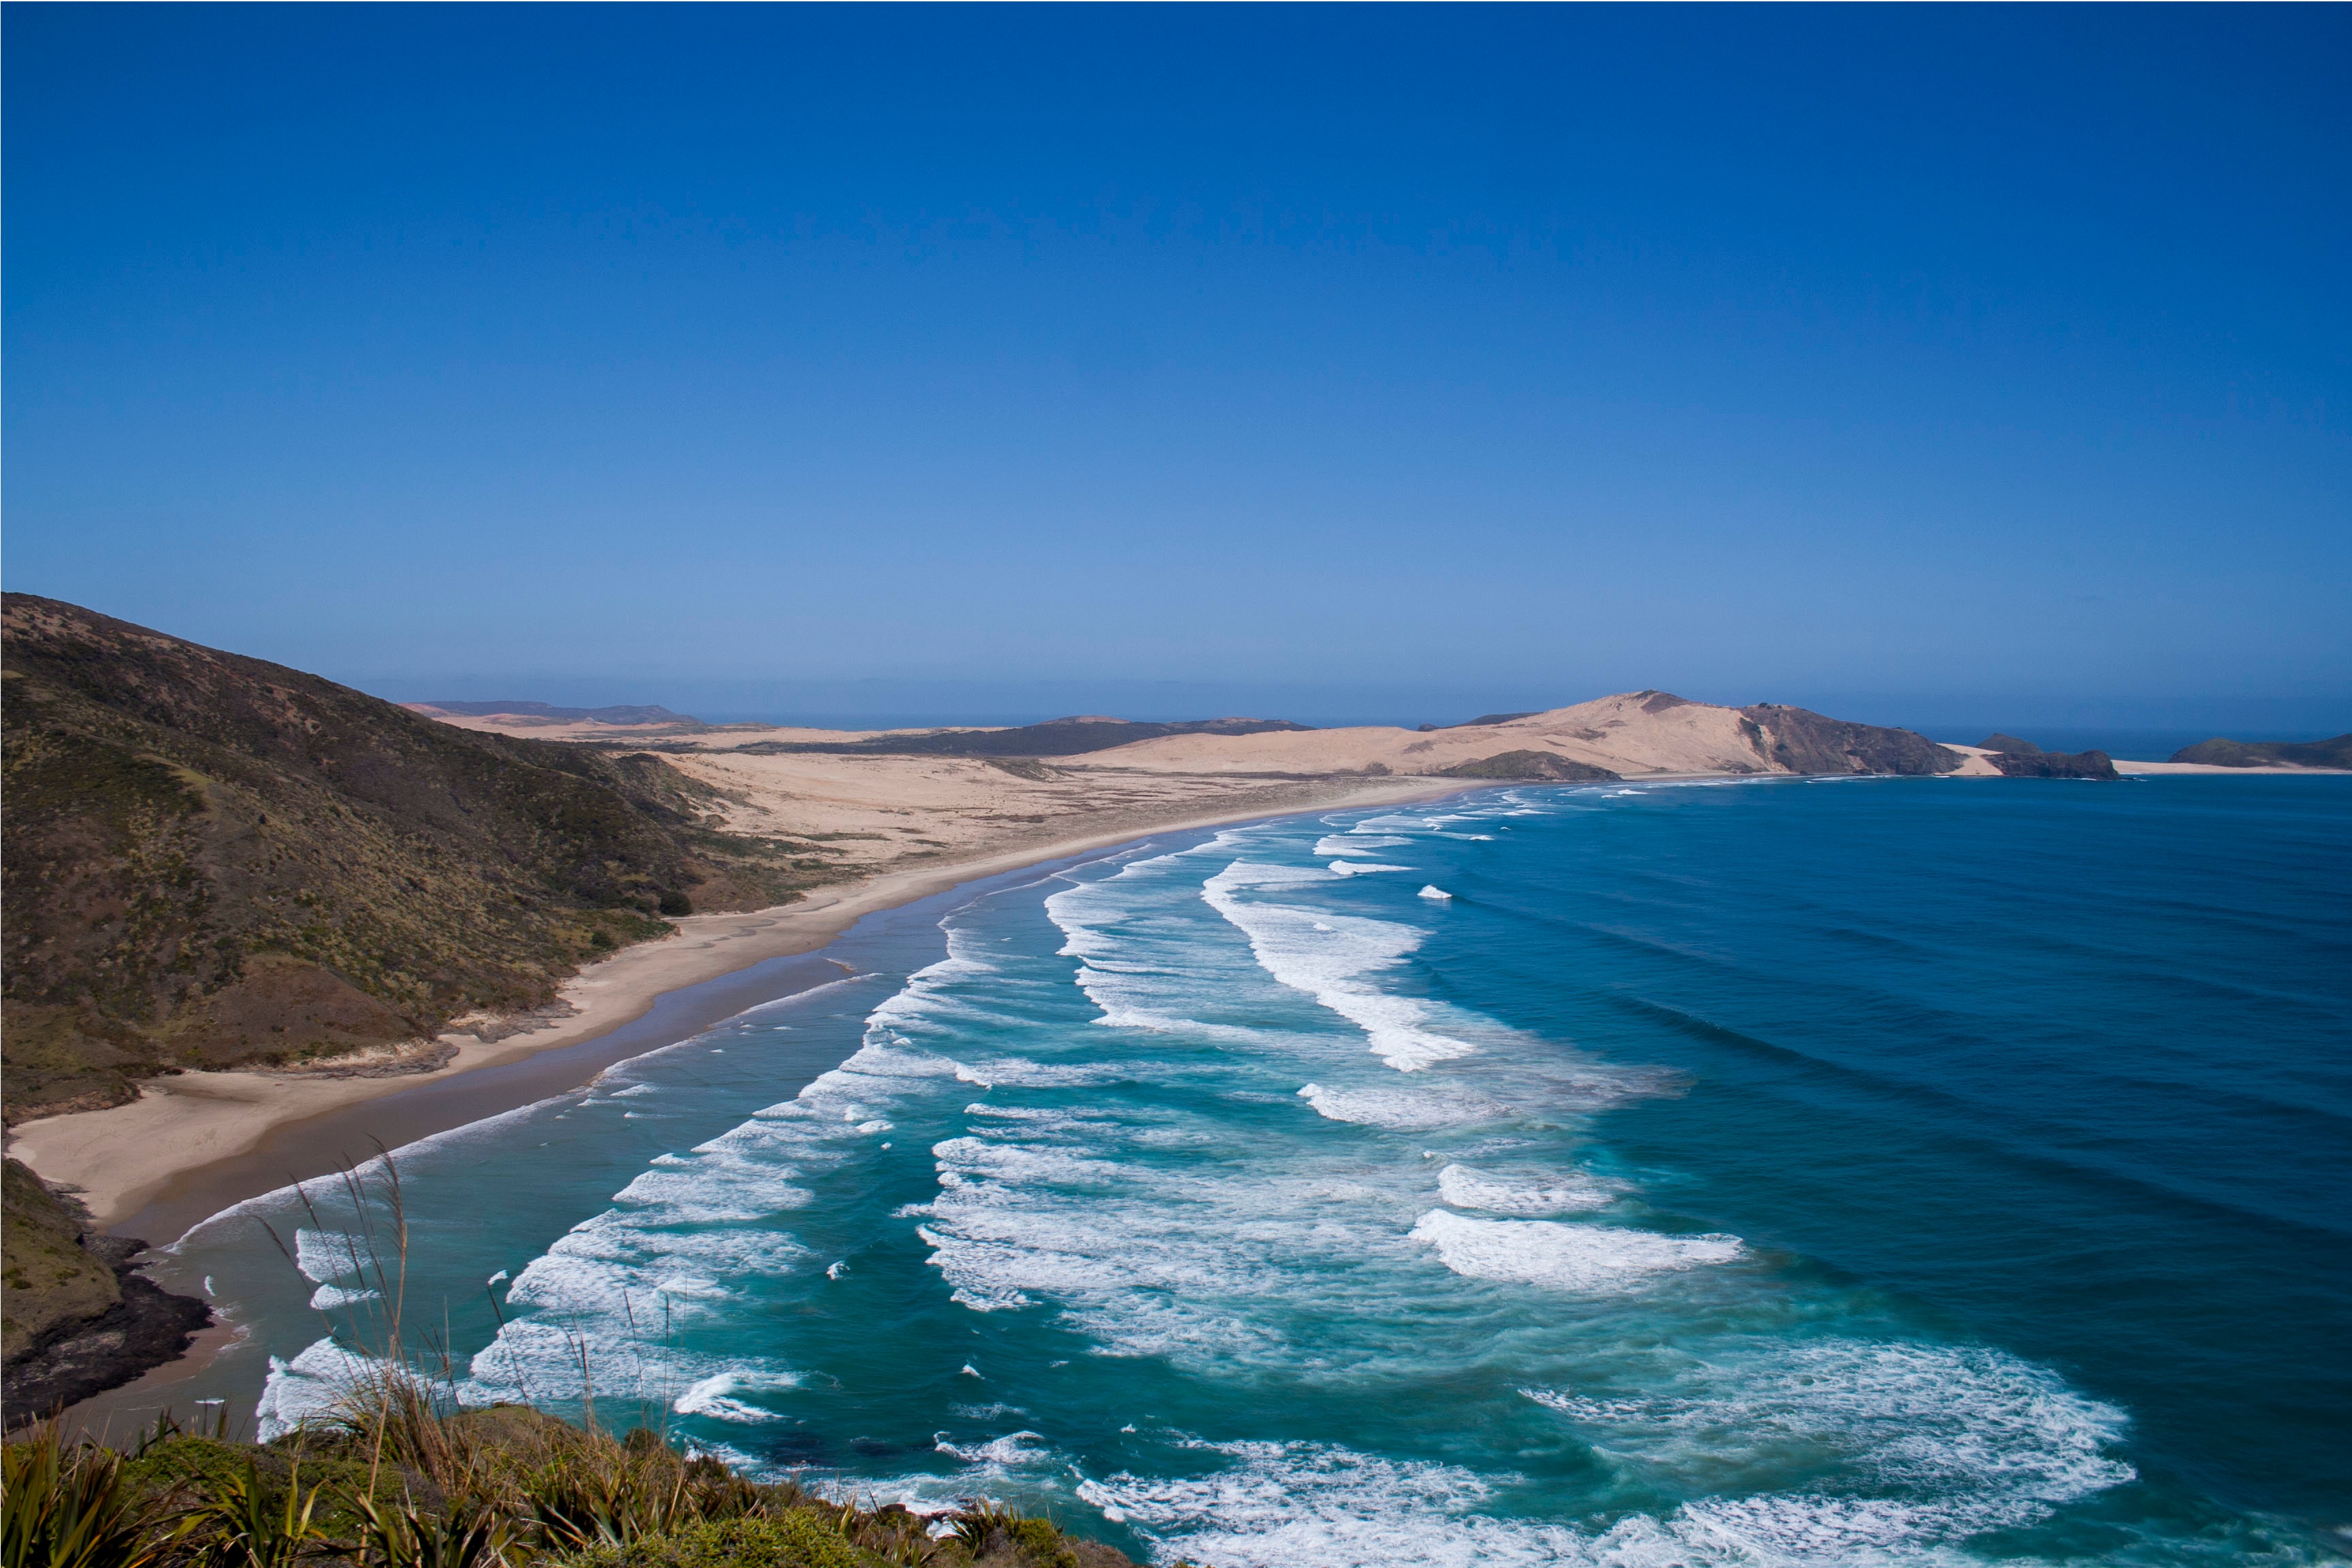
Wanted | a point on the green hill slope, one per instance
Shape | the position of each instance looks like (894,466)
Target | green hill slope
(2227,754)
(211,860)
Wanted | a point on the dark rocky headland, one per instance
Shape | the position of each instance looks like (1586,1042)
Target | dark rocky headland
(79,1318)
(2024,760)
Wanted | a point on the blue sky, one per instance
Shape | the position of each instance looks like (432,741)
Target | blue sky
(1910,364)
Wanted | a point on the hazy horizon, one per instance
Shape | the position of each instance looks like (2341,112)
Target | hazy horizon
(855,705)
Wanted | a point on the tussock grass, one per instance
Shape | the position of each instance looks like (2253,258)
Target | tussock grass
(395,1485)
(397,1475)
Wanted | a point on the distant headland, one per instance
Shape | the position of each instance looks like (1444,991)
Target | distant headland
(2334,755)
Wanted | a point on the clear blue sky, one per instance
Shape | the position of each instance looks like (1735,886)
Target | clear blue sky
(1907,363)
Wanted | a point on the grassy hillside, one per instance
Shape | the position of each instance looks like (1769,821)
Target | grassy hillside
(47,1277)
(505,1485)
(76,1318)
(2226,754)
(211,860)
(1526,765)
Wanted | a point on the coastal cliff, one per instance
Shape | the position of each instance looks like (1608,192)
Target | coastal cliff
(1799,740)
(2019,759)
(211,860)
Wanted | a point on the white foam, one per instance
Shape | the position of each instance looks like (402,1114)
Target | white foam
(690,1231)
(1585,1258)
(1152,1261)
(979,1157)
(1159,1225)
(1303,1505)
(333,1298)
(1307,1505)
(695,1194)
(1361,868)
(310,1387)
(328,1255)
(1141,962)
(1404,1110)
(715,1395)
(1432,891)
(1466,1187)
(995,1070)
(1001,1453)
(1333,959)
(1358,842)
(1967,1438)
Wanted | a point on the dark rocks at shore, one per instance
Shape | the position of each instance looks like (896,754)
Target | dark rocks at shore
(79,1320)
(147,1327)
(2219,753)
(2008,743)
(529,1021)
(1526,765)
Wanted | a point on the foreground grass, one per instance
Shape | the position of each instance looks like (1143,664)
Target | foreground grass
(394,1485)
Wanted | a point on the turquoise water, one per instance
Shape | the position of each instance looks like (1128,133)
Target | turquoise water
(1873,1171)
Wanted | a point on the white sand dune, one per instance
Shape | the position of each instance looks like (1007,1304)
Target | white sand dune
(1633,734)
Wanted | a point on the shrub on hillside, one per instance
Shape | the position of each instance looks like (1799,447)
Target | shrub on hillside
(798,1538)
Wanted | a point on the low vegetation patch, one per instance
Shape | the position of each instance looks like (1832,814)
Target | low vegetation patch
(389,1485)
(1526,765)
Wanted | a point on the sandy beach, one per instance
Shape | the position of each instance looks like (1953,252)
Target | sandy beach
(2157,770)
(119,1160)
(890,829)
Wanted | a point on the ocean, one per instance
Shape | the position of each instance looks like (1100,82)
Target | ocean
(1868,1170)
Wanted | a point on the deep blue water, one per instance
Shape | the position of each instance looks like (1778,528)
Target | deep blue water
(1866,1170)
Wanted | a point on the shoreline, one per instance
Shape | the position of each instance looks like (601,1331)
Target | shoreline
(2157,770)
(732,962)
(148,1161)
(152,1156)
